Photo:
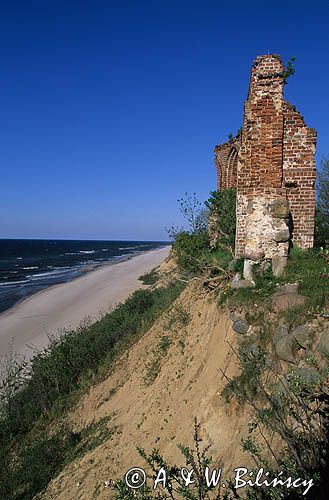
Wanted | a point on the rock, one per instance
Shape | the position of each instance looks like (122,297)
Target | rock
(279,333)
(283,302)
(280,208)
(278,265)
(285,349)
(254,254)
(282,235)
(241,326)
(236,277)
(241,283)
(234,316)
(288,288)
(323,346)
(247,270)
(301,336)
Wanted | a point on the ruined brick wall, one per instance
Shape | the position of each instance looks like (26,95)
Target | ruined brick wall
(226,161)
(299,173)
(270,162)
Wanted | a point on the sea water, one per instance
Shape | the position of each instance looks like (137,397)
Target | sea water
(28,266)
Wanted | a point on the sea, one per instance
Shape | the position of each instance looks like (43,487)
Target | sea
(28,266)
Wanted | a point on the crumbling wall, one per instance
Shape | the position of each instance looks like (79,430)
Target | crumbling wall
(299,171)
(271,163)
(226,161)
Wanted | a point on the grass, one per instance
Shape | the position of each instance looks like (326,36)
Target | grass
(29,456)
(150,278)
(309,268)
(176,318)
(153,367)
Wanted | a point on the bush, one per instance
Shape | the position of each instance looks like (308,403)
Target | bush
(321,229)
(189,249)
(149,278)
(222,206)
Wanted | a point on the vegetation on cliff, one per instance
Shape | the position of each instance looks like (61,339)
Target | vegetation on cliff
(36,441)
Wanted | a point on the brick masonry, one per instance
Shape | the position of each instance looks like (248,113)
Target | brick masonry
(270,161)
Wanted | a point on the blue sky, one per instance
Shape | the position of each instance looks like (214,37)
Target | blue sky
(110,110)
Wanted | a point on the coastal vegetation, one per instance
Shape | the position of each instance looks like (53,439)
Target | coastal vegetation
(36,440)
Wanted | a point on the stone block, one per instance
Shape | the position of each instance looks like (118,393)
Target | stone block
(241,283)
(278,265)
(280,208)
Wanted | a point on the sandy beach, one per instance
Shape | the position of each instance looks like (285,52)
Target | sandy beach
(27,325)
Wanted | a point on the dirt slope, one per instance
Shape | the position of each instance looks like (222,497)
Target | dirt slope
(160,414)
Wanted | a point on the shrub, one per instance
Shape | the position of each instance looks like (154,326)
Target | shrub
(149,278)
(188,251)
(222,205)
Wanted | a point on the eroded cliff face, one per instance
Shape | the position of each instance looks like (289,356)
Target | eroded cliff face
(178,371)
(160,413)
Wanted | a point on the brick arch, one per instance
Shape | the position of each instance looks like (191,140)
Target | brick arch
(232,167)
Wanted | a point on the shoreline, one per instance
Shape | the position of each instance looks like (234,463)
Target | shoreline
(28,324)
(87,269)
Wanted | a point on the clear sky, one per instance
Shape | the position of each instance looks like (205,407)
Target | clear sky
(110,110)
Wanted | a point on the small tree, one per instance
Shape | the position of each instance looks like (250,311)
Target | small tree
(221,205)
(321,233)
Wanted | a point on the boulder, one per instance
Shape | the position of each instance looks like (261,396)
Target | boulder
(255,254)
(282,235)
(286,349)
(279,333)
(283,302)
(278,265)
(241,326)
(301,336)
(288,288)
(241,283)
(234,316)
(280,208)
(323,346)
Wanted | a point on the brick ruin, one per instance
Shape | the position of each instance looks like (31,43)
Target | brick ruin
(271,164)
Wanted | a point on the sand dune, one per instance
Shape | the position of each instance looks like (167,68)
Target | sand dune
(28,324)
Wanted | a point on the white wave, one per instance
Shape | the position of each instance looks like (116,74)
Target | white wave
(13,283)
(87,251)
(19,258)
(44,275)
(131,248)
(31,267)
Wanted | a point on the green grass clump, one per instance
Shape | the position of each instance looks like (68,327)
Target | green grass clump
(150,278)
(310,268)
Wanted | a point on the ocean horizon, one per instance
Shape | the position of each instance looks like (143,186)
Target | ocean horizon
(28,266)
